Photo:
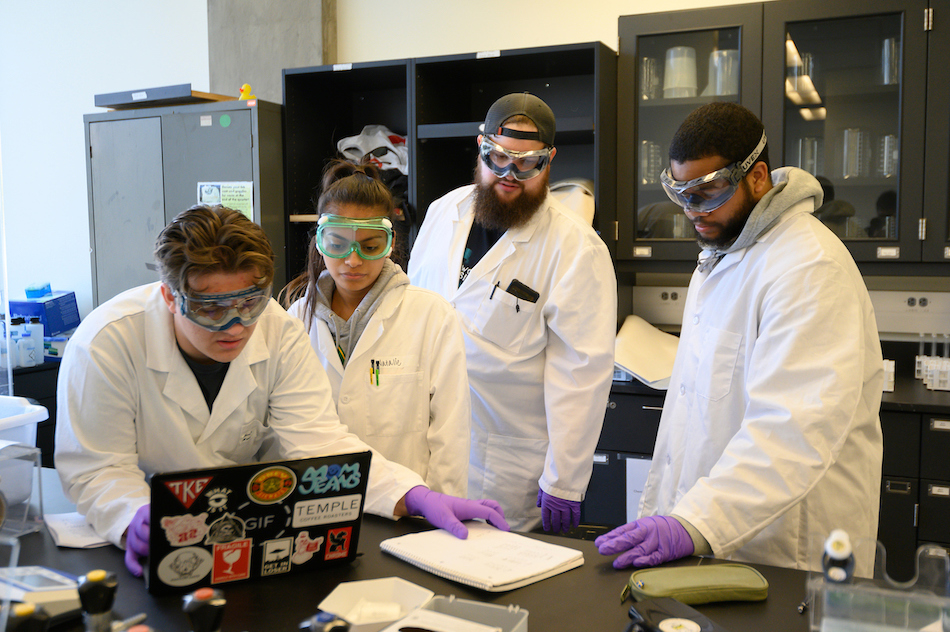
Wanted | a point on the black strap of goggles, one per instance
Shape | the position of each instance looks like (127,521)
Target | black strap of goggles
(514,133)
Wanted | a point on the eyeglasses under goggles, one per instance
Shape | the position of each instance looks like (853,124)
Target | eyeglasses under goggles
(370,238)
(217,312)
(705,194)
(523,165)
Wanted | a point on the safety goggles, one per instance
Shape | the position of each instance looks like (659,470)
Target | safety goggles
(370,238)
(705,194)
(523,165)
(217,312)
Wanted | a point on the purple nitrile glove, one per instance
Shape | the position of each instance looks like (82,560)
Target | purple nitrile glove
(557,514)
(136,540)
(648,541)
(447,512)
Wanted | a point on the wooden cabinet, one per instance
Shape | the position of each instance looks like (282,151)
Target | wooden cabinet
(438,103)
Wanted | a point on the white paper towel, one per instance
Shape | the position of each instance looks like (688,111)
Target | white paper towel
(645,352)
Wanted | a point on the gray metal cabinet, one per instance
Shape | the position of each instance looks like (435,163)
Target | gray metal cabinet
(143,168)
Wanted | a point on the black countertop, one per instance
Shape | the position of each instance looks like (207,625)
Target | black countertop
(909,395)
(585,598)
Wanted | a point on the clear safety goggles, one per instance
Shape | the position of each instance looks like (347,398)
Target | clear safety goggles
(705,194)
(217,312)
(370,238)
(523,165)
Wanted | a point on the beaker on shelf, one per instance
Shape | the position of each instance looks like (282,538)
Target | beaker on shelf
(856,154)
(651,162)
(679,74)
(809,154)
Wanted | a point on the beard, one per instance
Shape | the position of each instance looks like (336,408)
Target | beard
(494,213)
(733,227)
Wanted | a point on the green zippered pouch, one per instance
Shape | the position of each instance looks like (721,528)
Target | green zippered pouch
(698,584)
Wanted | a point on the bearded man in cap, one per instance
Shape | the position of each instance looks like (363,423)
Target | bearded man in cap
(536,294)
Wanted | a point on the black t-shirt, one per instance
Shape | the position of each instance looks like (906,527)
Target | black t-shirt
(480,241)
(210,376)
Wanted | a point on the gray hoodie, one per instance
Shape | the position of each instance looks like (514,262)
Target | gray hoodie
(790,185)
(347,333)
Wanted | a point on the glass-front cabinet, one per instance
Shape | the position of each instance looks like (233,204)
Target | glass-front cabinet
(846,86)
(848,91)
(670,64)
(936,243)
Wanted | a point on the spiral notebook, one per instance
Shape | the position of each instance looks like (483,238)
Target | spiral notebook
(488,559)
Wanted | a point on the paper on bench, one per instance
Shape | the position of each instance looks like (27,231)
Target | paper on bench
(645,352)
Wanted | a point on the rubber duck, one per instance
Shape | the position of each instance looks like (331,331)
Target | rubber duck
(246,92)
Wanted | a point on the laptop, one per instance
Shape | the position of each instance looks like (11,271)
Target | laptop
(218,525)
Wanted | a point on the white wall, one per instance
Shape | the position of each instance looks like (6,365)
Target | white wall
(371,30)
(55,56)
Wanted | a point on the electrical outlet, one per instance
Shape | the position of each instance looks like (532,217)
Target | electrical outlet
(910,312)
(659,305)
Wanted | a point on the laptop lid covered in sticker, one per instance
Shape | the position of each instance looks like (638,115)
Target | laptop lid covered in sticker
(218,525)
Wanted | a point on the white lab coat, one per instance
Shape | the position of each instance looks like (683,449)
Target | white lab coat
(129,406)
(419,415)
(770,435)
(540,373)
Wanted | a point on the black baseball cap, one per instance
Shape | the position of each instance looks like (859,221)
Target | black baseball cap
(525,104)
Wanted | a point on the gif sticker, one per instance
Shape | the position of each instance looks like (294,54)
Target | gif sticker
(338,543)
(232,561)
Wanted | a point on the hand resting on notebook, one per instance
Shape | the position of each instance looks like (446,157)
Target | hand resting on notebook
(447,512)
(136,541)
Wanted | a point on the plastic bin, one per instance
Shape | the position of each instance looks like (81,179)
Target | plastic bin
(19,460)
(22,490)
(882,604)
(18,419)
(507,618)
(370,605)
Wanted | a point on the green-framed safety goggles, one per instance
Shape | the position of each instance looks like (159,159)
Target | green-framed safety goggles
(338,236)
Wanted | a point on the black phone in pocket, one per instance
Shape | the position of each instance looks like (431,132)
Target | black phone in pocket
(519,290)
(665,614)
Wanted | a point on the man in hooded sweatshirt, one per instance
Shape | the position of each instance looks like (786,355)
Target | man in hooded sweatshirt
(770,436)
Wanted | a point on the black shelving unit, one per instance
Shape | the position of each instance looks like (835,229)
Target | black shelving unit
(322,105)
(438,103)
(453,93)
